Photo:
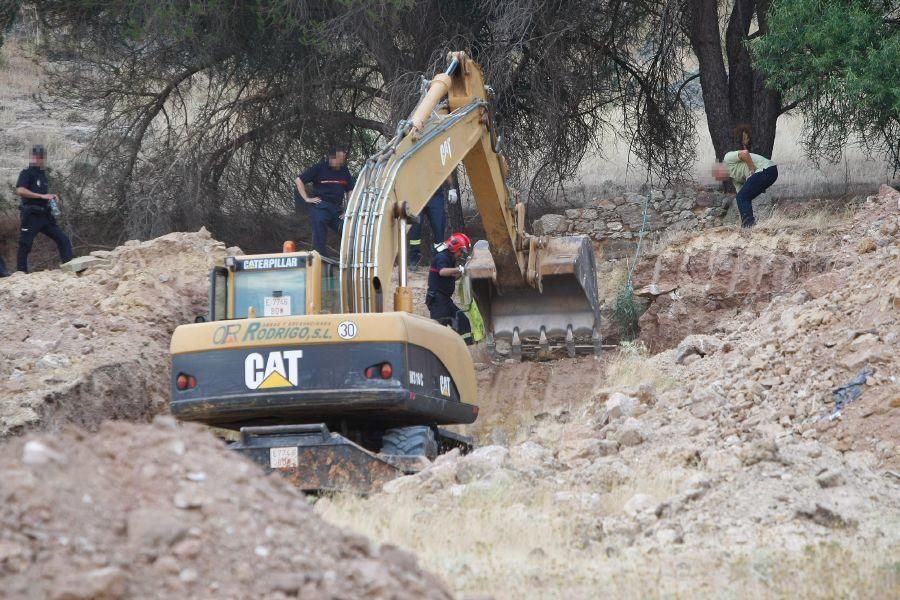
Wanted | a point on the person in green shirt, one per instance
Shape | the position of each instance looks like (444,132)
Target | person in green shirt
(752,175)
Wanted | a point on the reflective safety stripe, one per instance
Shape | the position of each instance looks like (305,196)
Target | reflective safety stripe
(415,242)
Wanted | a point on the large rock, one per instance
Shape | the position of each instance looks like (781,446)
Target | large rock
(640,503)
(630,433)
(108,583)
(481,462)
(620,405)
(551,225)
(705,401)
(699,345)
(80,263)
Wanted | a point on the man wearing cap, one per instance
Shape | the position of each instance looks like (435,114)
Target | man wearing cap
(33,187)
(331,182)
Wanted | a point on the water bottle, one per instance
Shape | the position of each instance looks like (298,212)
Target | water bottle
(54,208)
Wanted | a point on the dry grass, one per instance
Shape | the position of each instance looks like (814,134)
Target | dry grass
(666,240)
(631,365)
(814,221)
(517,539)
(22,123)
(797,176)
(19,74)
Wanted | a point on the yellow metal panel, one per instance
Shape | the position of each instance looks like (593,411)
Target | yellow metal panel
(314,285)
(310,330)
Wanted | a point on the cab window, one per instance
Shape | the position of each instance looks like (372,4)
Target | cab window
(331,287)
(272,293)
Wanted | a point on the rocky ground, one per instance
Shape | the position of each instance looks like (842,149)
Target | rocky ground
(721,467)
(164,511)
(82,348)
(725,465)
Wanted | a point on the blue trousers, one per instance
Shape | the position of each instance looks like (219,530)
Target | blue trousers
(322,217)
(755,185)
(437,220)
(35,220)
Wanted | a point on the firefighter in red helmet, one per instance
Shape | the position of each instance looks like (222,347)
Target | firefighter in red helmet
(447,265)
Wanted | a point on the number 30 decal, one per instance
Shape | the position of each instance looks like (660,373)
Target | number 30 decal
(347,330)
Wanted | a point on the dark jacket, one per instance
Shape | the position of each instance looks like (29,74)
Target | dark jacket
(328,184)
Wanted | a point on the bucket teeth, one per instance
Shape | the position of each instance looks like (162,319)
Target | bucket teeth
(570,342)
(543,345)
(597,342)
(516,351)
(491,345)
(563,311)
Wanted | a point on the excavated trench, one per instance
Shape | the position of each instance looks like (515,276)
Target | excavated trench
(693,286)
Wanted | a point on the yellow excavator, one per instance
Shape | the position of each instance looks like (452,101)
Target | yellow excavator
(299,355)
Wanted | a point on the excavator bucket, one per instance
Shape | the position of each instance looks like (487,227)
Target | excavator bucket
(561,312)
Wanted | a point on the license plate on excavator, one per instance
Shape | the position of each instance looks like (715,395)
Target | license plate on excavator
(283,458)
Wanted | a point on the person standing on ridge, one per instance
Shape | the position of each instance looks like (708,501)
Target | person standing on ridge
(38,210)
(331,182)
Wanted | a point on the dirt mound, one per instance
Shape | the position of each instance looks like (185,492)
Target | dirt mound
(93,346)
(718,468)
(794,364)
(165,511)
(711,276)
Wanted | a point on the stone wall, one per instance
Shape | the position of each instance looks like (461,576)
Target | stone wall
(616,222)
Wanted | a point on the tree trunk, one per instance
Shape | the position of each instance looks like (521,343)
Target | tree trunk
(738,94)
(703,33)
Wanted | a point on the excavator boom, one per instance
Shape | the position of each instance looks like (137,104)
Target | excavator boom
(532,291)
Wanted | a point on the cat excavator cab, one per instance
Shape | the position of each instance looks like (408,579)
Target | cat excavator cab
(300,355)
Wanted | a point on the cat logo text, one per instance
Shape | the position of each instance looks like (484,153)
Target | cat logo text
(278,369)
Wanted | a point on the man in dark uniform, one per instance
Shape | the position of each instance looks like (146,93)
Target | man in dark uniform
(33,187)
(331,181)
(442,276)
(436,214)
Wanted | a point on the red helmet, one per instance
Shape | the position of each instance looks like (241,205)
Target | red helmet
(457,242)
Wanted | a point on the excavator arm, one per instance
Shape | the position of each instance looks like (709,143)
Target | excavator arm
(450,126)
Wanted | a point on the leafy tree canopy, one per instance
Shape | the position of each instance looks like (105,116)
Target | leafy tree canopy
(839,62)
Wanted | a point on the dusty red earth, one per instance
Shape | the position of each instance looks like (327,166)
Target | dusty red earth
(120,509)
(83,348)
(165,511)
